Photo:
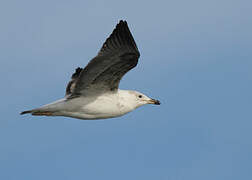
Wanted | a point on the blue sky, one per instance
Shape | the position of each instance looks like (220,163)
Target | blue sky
(195,58)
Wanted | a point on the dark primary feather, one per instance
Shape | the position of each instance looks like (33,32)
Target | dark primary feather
(118,55)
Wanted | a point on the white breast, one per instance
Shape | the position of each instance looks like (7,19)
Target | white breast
(101,107)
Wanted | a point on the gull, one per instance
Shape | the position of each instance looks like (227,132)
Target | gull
(93,91)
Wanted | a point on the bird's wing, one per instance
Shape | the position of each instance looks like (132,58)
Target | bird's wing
(71,84)
(118,55)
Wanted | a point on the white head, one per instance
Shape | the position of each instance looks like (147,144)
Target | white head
(136,99)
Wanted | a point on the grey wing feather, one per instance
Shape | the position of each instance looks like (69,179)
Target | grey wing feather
(71,85)
(118,55)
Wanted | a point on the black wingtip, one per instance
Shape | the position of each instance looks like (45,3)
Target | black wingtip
(120,39)
(122,22)
(25,112)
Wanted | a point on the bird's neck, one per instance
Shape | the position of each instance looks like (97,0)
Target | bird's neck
(126,100)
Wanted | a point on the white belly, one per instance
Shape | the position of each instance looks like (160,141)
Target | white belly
(100,108)
(92,107)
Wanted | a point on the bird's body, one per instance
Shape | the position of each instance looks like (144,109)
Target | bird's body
(93,91)
(101,107)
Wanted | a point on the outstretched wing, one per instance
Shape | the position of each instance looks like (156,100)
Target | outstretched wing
(118,55)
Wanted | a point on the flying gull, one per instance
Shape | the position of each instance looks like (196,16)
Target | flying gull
(93,91)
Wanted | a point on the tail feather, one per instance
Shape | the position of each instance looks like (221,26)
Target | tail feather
(25,112)
(51,109)
(37,113)
(42,113)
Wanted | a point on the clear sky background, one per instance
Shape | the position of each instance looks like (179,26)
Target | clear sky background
(196,58)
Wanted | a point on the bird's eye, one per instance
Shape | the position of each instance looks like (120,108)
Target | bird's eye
(140,96)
